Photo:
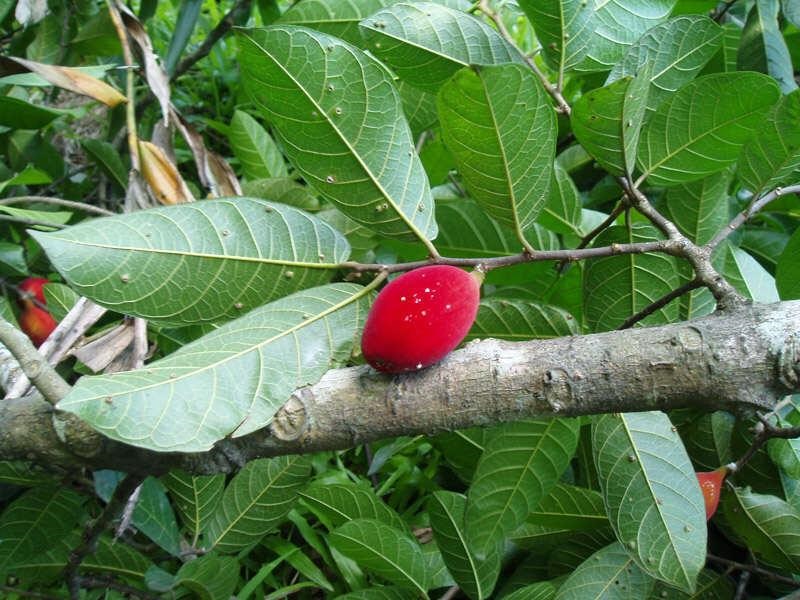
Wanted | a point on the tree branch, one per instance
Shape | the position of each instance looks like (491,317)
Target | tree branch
(749,357)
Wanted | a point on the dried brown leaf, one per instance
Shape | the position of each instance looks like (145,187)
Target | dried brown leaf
(163,177)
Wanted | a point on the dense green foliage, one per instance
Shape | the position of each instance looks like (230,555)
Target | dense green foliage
(383,132)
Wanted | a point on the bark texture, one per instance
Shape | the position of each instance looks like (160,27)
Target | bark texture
(739,360)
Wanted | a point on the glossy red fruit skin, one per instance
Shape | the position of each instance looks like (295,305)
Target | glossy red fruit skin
(711,486)
(420,317)
(37,323)
(32,286)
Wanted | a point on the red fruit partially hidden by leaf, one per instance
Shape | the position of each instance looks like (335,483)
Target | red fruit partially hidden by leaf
(37,323)
(419,317)
(32,287)
(711,486)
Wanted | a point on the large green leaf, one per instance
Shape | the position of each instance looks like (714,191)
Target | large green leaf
(651,494)
(499,124)
(518,319)
(318,91)
(702,127)
(35,521)
(707,437)
(23,474)
(763,47)
(380,593)
(772,158)
(197,262)
(339,18)
(768,525)
(152,515)
(699,208)
(388,552)
(209,577)
(196,498)
(711,585)
(563,28)
(419,107)
(254,148)
(542,590)
(519,466)
(787,273)
(19,114)
(620,286)
(476,578)
(676,51)
(607,121)
(425,43)
(232,380)
(570,507)
(610,574)
(573,552)
(257,500)
(340,503)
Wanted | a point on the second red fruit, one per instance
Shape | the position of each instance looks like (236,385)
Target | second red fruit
(32,286)
(37,323)
(419,317)
(711,486)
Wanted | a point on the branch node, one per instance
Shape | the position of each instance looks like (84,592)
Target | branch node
(291,421)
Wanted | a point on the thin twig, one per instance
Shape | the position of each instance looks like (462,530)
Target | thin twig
(764,431)
(95,582)
(33,364)
(94,529)
(752,569)
(562,105)
(130,89)
(57,202)
(661,303)
(242,7)
(751,210)
(722,10)
(609,221)
(27,594)
(127,512)
(373,476)
(450,593)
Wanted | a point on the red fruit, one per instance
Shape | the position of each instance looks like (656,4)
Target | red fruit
(419,317)
(711,486)
(37,323)
(32,287)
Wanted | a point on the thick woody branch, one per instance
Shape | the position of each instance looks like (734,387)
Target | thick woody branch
(749,357)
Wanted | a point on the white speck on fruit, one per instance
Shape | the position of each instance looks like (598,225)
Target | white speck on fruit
(419,365)
(402,298)
(424,312)
(448,306)
(427,290)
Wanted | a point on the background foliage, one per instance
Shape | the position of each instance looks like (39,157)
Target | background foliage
(379,132)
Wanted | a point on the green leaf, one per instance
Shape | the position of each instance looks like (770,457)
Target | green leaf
(651,495)
(59,299)
(34,521)
(56,217)
(384,550)
(611,574)
(198,262)
(520,465)
(499,124)
(195,497)
(380,593)
(340,503)
(476,578)
(209,577)
(772,158)
(573,552)
(768,525)
(254,148)
(562,211)
(12,259)
(338,18)
(153,514)
(319,91)
(607,121)
(765,245)
(787,273)
(232,380)
(703,126)
(620,286)
(676,51)
(438,575)
(30,175)
(791,10)
(570,507)
(18,114)
(23,474)
(419,107)
(181,32)
(707,437)
(543,590)
(462,449)
(710,586)
(257,500)
(107,158)
(299,561)
(426,43)
(699,208)
(563,27)
(763,48)
(517,319)
(284,190)
(746,274)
